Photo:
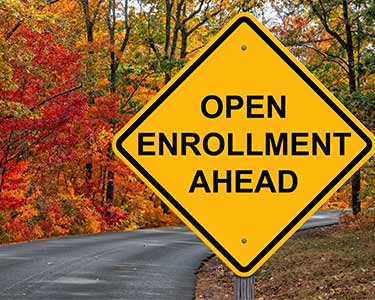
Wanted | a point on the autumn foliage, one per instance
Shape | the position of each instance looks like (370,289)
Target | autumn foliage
(72,72)
(57,119)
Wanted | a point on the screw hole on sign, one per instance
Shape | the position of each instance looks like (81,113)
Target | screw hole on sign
(243,47)
(244,241)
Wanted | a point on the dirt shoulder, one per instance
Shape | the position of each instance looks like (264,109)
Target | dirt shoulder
(335,262)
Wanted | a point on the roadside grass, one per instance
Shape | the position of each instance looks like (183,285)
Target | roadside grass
(331,263)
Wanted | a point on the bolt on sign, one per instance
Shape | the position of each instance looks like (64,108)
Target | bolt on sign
(244,144)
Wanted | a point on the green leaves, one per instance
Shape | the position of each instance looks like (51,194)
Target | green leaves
(10,109)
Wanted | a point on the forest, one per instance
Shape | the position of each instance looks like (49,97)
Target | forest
(73,72)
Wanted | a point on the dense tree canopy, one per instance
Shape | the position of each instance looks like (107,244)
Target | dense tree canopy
(72,72)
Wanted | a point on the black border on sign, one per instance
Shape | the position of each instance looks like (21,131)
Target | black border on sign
(178,206)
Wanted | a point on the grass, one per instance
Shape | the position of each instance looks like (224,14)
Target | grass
(332,263)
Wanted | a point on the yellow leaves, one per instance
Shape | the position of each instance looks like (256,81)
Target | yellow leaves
(101,141)
(92,225)
(102,83)
(23,12)
(6,74)
(13,109)
(104,136)
(145,211)
(26,212)
(342,197)
(63,226)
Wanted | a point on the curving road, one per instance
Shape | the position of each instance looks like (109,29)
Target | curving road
(157,264)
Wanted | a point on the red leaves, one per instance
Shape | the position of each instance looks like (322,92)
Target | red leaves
(12,186)
(112,214)
(7,203)
(56,128)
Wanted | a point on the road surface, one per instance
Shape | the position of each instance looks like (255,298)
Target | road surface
(155,264)
(322,218)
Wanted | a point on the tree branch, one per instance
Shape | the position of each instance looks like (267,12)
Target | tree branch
(301,43)
(195,12)
(55,96)
(334,57)
(127,28)
(204,20)
(195,49)
(96,12)
(137,87)
(10,33)
(19,23)
(323,18)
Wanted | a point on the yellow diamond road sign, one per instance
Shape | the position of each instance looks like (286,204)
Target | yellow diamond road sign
(244,144)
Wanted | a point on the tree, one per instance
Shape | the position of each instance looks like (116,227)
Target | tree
(340,32)
(170,26)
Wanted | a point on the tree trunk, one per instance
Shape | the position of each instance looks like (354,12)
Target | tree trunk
(110,187)
(184,38)
(356,179)
(111,19)
(168,18)
(89,70)
(2,178)
(111,22)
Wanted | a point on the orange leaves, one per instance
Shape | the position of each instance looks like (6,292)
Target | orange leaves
(20,225)
(342,197)
(145,211)
(362,220)
(17,214)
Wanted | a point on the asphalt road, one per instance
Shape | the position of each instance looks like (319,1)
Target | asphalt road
(157,264)
(322,218)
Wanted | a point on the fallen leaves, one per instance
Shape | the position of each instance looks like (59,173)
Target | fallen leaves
(332,263)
